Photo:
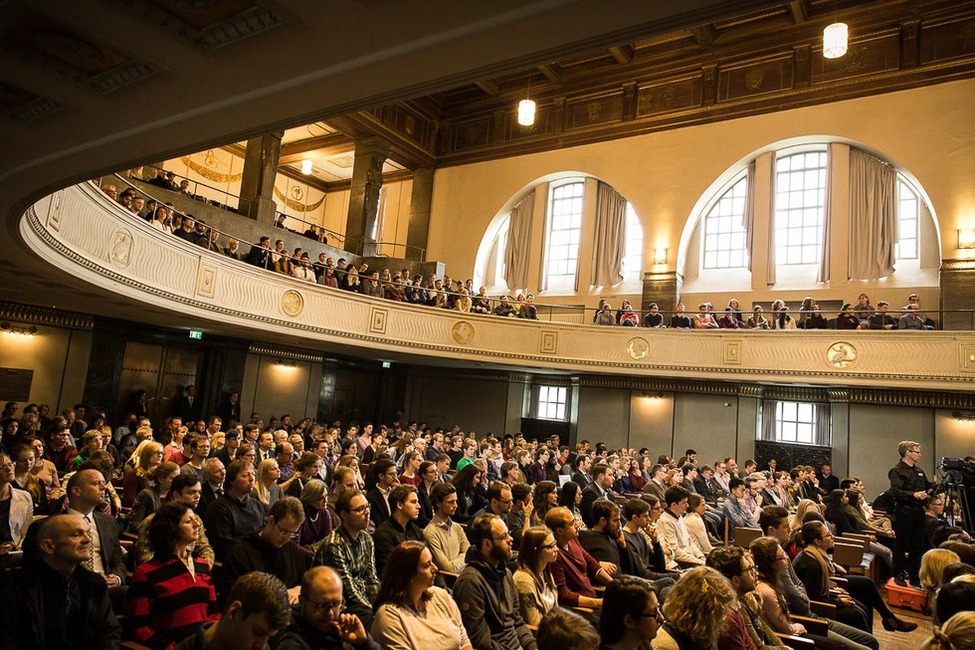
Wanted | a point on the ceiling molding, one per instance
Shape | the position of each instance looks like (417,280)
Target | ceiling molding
(20,313)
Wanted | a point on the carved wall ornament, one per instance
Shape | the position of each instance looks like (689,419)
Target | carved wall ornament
(121,248)
(966,357)
(206,281)
(967,37)
(54,214)
(208,173)
(842,355)
(754,78)
(462,332)
(409,125)
(292,303)
(377,320)
(592,110)
(637,348)
(732,353)
(297,193)
(297,205)
(549,343)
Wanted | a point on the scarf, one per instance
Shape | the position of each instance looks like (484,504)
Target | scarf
(826,567)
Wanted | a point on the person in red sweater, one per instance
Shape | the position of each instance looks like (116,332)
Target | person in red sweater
(574,569)
(172,595)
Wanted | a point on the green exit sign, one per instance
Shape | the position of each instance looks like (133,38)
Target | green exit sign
(196,334)
(387,365)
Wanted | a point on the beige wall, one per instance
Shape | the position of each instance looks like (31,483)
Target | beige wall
(272,389)
(665,174)
(59,359)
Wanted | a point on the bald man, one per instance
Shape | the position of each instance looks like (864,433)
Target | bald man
(57,602)
(317,620)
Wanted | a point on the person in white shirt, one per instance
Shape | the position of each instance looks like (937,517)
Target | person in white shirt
(446,539)
(671,524)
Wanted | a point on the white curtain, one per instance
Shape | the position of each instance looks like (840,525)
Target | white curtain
(770,267)
(748,216)
(873,217)
(516,253)
(824,253)
(609,243)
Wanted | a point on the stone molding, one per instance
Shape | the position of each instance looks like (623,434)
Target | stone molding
(85,234)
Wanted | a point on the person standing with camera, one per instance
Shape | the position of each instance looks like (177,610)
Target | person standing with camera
(909,488)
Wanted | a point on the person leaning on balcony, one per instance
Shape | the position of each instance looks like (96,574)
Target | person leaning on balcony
(704,320)
(605,315)
(504,308)
(757,320)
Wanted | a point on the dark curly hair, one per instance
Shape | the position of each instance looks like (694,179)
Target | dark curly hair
(164,527)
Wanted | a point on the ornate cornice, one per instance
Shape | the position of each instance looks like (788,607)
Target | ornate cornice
(11,311)
(284,353)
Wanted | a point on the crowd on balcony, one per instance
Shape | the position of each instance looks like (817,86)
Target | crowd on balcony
(406,536)
(460,295)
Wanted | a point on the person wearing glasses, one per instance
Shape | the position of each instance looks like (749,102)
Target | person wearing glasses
(273,549)
(350,550)
(537,593)
(172,595)
(320,621)
(631,614)
(909,488)
(412,613)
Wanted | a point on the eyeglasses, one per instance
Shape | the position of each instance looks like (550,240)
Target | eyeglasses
(293,534)
(359,510)
(335,606)
(653,613)
(6,466)
(749,568)
(552,546)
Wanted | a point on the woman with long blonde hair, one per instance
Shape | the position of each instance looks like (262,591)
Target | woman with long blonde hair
(266,487)
(958,633)
(139,477)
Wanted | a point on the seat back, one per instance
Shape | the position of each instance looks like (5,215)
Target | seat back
(744,536)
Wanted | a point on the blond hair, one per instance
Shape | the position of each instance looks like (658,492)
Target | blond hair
(698,604)
(958,633)
(933,563)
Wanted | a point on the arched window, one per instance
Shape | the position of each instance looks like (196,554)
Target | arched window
(800,194)
(908,218)
(724,235)
(564,232)
(633,258)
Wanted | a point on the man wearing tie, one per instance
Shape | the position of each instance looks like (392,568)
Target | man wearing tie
(86,491)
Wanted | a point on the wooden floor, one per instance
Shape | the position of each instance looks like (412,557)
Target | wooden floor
(899,640)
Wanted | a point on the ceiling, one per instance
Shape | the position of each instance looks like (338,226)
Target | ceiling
(93,87)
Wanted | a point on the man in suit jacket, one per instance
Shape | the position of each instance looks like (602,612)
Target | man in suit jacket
(378,497)
(188,406)
(582,477)
(827,480)
(655,485)
(86,490)
(601,488)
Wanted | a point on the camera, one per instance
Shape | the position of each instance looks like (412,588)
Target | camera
(956,465)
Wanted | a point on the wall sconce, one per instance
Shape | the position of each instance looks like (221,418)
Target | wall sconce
(962,416)
(659,255)
(7,328)
(288,364)
(651,395)
(966,238)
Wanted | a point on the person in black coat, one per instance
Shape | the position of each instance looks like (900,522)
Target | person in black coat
(55,602)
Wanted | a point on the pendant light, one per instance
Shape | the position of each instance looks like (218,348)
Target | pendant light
(835,40)
(526,107)
(306,166)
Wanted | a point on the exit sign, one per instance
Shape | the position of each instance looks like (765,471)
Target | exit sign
(196,334)
(387,365)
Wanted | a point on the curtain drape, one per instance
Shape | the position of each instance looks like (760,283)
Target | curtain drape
(824,252)
(768,420)
(516,253)
(770,266)
(748,216)
(873,217)
(609,242)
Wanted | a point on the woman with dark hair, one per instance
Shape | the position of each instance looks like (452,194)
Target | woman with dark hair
(839,513)
(306,469)
(150,499)
(546,497)
(469,499)
(537,471)
(570,498)
(631,614)
(847,319)
(411,613)
(428,478)
(537,593)
(172,595)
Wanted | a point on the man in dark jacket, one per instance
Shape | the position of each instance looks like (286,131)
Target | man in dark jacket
(317,622)
(56,602)
(485,590)
(270,550)
(401,526)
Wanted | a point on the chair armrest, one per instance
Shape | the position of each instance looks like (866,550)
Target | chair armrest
(795,641)
(827,610)
(815,626)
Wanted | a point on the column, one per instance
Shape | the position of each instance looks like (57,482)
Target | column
(367,181)
(419,226)
(257,181)
(957,289)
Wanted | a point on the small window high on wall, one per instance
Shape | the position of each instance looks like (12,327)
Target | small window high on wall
(801,423)
(550,402)
(908,217)
(800,194)
(564,232)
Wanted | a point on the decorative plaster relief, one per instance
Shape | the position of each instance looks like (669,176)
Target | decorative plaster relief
(121,251)
(377,321)
(637,348)
(732,352)
(462,332)
(207,281)
(292,303)
(54,211)
(842,355)
(966,357)
(549,342)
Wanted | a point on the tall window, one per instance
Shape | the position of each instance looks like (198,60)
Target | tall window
(908,216)
(724,237)
(550,403)
(633,256)
(800,190)
(565,226)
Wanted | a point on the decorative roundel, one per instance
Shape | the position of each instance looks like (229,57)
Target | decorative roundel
(637,348)
(842,355)
(292,303)
(462,332)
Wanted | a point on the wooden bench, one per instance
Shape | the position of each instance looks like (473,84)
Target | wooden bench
(744,536)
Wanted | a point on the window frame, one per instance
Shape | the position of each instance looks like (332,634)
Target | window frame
(781,217)
(739,179)
(541,394)
(569,280)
